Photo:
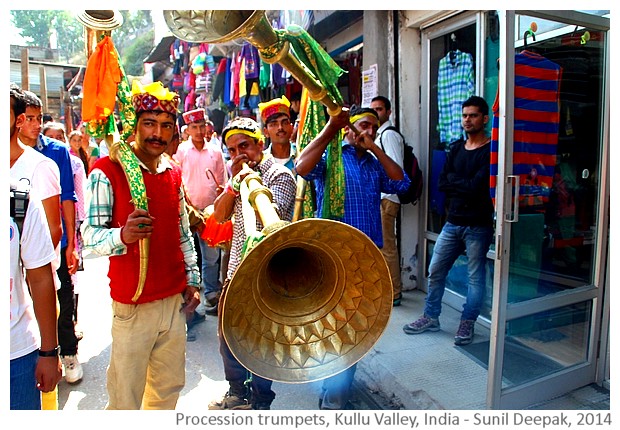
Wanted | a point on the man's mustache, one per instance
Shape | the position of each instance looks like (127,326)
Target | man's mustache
(155,140)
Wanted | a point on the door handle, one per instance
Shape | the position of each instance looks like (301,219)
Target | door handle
(512,198)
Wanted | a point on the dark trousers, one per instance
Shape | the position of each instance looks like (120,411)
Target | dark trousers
(236,375)
(66,331)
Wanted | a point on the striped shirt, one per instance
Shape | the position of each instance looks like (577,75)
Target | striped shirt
(455,84)
(101,238)
(365,180)
(536,128)
(281,182)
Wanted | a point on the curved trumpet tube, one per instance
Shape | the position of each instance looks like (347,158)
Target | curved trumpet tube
(218,26)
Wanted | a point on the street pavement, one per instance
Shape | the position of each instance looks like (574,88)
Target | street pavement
(204,370)
(398,373)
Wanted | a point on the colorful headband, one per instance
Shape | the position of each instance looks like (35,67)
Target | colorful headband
(241,125)
(356,118)
(153,97)
(194,116)
(279,105)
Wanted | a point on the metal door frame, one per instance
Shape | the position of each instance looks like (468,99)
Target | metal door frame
(502,311)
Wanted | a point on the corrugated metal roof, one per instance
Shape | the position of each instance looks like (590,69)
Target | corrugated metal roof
(161,52)
(54,74)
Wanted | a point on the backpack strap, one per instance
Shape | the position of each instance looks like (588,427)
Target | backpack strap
(391,127)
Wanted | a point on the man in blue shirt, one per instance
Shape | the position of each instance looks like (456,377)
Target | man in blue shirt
(30,134)
(368,172)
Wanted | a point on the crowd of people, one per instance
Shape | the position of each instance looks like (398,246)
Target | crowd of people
(81,201)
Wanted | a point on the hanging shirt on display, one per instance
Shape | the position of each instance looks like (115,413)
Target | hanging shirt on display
(455,84)
(252,60)
(536,125)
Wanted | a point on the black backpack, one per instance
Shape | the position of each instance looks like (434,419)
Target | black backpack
(412,168)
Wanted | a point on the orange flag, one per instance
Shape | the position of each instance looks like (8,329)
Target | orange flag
(103,74)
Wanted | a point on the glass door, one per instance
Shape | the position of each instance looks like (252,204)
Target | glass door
(550,149)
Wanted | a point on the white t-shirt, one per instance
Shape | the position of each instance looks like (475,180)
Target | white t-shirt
(36,251)
(393,146)
(41,172)
(42,175)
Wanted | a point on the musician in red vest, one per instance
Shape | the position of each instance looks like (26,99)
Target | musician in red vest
(147,360)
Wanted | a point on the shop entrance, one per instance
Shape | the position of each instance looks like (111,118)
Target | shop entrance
(544,75)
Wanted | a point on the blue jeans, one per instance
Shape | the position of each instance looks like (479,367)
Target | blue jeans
(452,241)
(336,390)
(210,269)
(24,392)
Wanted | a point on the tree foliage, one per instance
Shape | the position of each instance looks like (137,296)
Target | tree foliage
(134,55)
(132,38)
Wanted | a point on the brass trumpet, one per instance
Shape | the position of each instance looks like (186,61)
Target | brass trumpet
(308,300)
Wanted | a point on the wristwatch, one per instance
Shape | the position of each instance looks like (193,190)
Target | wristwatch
(52,353)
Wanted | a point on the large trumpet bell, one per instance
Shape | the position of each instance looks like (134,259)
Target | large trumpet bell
(308,302)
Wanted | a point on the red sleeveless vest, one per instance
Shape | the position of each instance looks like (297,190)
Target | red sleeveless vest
(166,269)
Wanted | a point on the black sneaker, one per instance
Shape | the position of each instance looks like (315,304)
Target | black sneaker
(261,406)
(397,299)
(465,333)
(212,301)
(196,319)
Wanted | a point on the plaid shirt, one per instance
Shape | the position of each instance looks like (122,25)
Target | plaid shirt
(365,180)
(104,240)
(455,84)
(281,182)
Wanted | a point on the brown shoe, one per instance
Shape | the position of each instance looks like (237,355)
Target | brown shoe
(230,401)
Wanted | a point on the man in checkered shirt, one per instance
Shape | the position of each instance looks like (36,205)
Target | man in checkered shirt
(244,141)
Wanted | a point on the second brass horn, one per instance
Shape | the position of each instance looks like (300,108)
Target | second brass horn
(96,24)
(219,26)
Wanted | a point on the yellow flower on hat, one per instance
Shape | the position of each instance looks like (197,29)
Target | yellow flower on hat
(156,89)
(279,105)
(154,97)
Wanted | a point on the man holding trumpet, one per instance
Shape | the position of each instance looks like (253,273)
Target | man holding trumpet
(245,145)
(368,172)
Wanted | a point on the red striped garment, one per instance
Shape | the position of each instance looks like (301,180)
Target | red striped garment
(536,125)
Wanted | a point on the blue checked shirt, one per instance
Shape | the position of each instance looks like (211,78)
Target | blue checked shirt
(365,180)
(455,84)
(104,240)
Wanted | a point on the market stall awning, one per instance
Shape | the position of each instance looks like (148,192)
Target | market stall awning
(162,51)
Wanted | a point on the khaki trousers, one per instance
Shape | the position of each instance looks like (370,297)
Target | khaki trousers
(389,212)
(147,361)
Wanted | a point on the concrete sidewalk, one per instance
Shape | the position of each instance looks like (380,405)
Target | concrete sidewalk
(427,371)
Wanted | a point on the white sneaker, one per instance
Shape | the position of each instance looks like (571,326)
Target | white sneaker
(73,369)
